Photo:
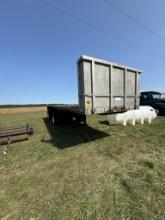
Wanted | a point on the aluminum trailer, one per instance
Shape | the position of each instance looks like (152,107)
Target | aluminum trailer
(65,113)
(106,87)
(103,87)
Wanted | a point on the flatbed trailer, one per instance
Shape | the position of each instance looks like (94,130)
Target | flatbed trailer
(65,113)
(103,88)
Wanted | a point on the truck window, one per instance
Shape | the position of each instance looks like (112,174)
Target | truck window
(145,96)
(163,95)
(156,96)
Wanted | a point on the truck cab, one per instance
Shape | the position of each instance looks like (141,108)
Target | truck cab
(154,99)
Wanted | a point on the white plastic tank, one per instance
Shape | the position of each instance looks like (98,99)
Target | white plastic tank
(141,115)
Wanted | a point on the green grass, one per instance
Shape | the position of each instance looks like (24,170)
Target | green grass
(84,172)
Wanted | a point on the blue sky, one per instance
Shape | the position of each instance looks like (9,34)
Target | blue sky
(41,40)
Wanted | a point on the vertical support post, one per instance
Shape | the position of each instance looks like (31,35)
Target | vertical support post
(81,86)
(110,88)
(125,75)
(93,85)
(136,90)
(78,81)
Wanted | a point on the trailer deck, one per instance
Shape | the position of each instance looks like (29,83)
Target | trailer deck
(65,113)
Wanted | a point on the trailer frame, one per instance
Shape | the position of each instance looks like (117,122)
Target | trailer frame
(65,113)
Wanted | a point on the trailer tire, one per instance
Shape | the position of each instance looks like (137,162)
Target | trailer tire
(55,120)
(78,119)
(49,116)
(157,111)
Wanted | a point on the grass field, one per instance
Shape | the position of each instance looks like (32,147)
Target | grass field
(84,172)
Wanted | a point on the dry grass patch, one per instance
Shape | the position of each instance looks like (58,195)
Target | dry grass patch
(22,110)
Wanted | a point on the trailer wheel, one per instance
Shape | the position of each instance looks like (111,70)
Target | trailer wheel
(54,120)
(49,116)
(157,111)
(78,119)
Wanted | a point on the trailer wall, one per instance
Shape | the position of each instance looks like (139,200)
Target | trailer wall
(105,87)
